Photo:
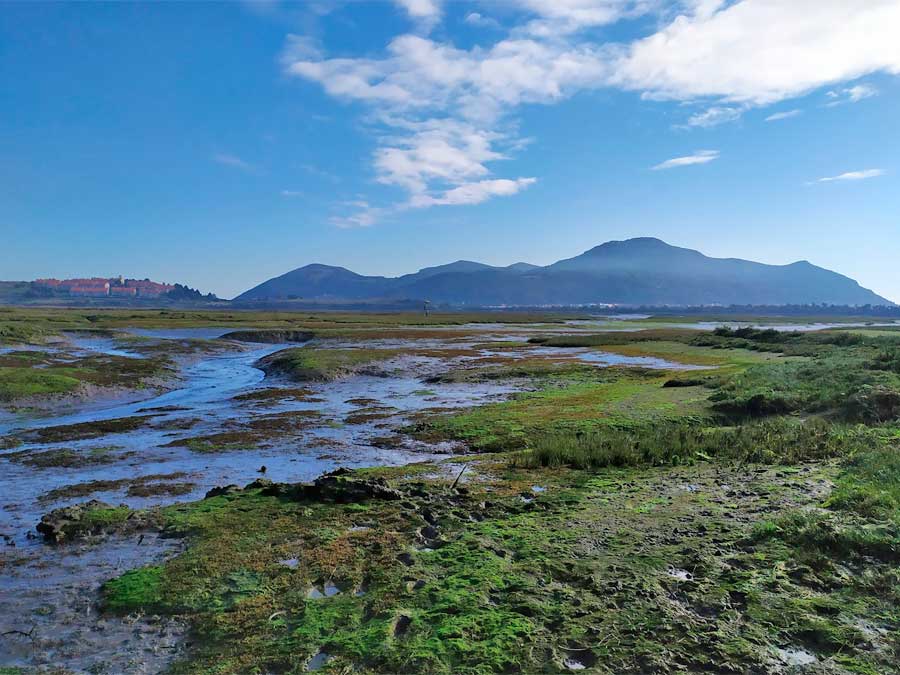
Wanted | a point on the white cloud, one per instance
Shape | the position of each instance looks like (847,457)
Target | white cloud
(853,94)
(480,20)
(436,150)
(714,116)
(558,17)
(364,216)
(787,114)
(291,193)
(763,51)
(699,157)
(425,12)
(232,161)
(853,175)
(421,9)
(473,193)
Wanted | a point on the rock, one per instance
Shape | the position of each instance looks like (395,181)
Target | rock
(401,625)
(261,469)
(339,487)
(406,559)
(70,521)
(260,484)
(222,490)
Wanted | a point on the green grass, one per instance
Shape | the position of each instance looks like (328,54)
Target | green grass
(612,397)
(18,383)
(773,442)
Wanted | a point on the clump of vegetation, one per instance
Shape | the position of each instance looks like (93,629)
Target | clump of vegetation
(63,457)
(27,374)
(20,383)
(780,441)
(306,364)
(887,359)
(84,430)
(142,486)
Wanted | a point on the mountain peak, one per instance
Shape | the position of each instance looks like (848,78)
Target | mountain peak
(633,244)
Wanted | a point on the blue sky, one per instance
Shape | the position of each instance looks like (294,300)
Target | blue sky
(221,144)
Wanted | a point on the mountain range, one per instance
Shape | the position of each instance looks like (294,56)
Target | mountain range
(640,271)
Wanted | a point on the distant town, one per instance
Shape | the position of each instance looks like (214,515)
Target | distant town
(98,287)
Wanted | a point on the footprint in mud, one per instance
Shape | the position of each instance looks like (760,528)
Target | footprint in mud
(328,590)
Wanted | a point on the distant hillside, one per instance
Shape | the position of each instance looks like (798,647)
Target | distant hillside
(101,291)
(642,271)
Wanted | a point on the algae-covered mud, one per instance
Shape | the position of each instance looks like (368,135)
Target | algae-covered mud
(276,493)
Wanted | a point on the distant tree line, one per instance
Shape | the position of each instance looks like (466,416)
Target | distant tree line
(181,292)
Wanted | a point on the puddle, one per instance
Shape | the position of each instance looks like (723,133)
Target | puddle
(679,574)
(573,664)
(292,563)
(538,489)
(317,661)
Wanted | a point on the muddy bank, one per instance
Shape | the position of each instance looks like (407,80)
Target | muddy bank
(49,616)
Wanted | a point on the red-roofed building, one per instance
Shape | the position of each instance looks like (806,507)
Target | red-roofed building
(92,290)
(98,287)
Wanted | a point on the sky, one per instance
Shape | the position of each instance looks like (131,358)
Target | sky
(218,145)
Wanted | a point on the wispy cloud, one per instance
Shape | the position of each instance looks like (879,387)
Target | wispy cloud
(853,94)
(320,172)
(480,20)
(291,193)
(714,116)
(699,157)
(787,114)
(233,161)
(853,175)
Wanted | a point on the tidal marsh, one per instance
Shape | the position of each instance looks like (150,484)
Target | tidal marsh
(545,512)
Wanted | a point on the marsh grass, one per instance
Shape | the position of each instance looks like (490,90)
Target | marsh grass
(781,441)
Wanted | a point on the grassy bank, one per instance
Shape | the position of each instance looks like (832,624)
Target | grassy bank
(35,374)
(305,364)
